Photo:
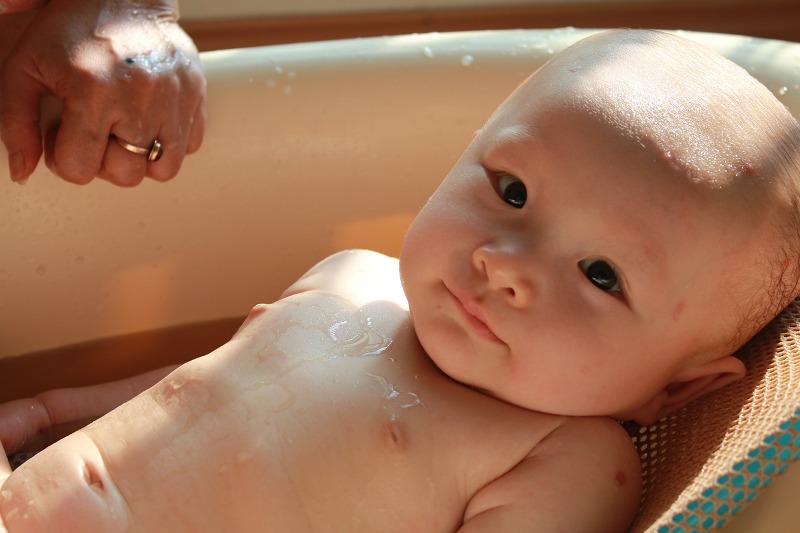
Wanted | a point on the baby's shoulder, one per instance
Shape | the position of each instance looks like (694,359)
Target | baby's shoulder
(605,436)
(360,276)
(599,452)
(583,476)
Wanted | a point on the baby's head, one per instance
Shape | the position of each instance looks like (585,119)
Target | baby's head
(621,225)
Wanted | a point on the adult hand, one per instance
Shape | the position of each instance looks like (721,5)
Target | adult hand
(123,70)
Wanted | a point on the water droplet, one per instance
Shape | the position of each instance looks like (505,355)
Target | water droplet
(783,90)
(343,330)
(467,60)
(428,52)
(411,402)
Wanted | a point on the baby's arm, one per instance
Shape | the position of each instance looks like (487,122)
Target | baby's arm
(584,477)
(67,409)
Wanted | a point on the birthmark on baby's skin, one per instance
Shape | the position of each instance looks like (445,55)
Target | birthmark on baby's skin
(678,311)
(620,478)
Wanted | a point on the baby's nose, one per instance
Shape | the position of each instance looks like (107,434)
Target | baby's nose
(507,272)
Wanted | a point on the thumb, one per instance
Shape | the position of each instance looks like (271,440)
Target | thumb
(20,96)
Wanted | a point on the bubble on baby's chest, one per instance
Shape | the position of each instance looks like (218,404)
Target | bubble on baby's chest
(329,328)
(344,330)
(302,341)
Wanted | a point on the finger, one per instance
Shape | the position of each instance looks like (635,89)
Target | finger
(121,166)
(173,146)
(176,143)
(19,119)
(198,127)
(79,144)
(49,145)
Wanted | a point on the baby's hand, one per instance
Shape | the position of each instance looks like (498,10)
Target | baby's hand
(33,423)
(20,422)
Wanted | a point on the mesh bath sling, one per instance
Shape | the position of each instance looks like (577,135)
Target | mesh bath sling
(705,463)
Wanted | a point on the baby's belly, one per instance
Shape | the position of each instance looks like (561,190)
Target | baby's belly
(349,440)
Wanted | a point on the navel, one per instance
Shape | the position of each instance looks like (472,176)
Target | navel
(394,436)
(93,478)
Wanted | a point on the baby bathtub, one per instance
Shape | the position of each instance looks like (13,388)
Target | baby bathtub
(311,148)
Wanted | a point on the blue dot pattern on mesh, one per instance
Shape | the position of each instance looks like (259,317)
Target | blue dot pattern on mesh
(716,505)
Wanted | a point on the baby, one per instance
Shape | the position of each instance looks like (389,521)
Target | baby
(619,227)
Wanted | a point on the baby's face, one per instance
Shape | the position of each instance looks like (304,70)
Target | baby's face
(567,269)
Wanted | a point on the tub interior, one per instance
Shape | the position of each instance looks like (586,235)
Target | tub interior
(310,149)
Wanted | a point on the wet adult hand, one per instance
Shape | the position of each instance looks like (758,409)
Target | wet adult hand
(120,68)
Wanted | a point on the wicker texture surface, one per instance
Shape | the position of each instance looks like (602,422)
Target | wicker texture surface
(706,462)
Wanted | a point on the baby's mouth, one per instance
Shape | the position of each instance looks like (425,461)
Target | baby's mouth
(472,313)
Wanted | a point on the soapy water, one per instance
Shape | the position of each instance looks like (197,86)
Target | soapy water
(297,333)
(157,61)
(405,400)
(328,329)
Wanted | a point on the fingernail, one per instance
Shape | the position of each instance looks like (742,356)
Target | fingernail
(16,166)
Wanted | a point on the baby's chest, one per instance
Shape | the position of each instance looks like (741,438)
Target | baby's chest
(363,423)
(365,441)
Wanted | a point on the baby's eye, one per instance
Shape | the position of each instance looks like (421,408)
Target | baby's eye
(511,190)
(601,274)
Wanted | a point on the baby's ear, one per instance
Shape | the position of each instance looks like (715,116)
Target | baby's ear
(689,385)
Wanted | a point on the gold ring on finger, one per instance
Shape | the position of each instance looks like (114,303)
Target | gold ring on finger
(153,152)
